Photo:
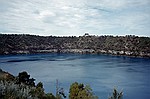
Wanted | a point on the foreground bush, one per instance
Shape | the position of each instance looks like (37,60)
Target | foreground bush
(10,90)
(116,95)
(22,87)
(81,91)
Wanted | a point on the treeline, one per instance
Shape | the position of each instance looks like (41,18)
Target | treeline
(119,45)
(23,87)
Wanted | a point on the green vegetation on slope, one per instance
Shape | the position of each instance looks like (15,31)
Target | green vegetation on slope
(118,45)
(22,87)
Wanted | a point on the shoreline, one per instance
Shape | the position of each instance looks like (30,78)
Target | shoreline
(81,51)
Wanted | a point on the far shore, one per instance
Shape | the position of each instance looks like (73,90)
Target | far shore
(82,51)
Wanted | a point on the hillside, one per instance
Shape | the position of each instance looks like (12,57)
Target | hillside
(6,76)
(118,45)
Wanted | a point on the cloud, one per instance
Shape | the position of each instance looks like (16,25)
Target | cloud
(75,17)
(46,13)
(121,4)
(136,22)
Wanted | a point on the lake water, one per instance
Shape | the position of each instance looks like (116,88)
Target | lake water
(101,72)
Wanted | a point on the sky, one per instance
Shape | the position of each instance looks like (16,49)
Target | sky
(75,17)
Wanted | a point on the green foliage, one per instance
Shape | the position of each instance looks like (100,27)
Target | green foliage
(26,44)
(23,77)
(80,91)
(116,95)
(23,89)
(58,96)
(49,96)
(9,89)
(6,76)
(39,93)
(40,84)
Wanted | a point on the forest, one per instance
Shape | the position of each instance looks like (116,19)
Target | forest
(129,45)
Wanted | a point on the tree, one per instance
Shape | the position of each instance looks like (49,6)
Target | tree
(59,91)
(40,84)
(49,96)
(116,95)
(80,91)
(23,77)
(38,91)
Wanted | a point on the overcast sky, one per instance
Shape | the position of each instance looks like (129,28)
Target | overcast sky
(75,17)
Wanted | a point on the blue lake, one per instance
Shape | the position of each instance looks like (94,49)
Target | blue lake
(101,72)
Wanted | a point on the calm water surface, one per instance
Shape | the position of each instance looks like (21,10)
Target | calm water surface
(101,72)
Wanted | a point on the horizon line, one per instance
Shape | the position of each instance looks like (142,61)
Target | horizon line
(84,34)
